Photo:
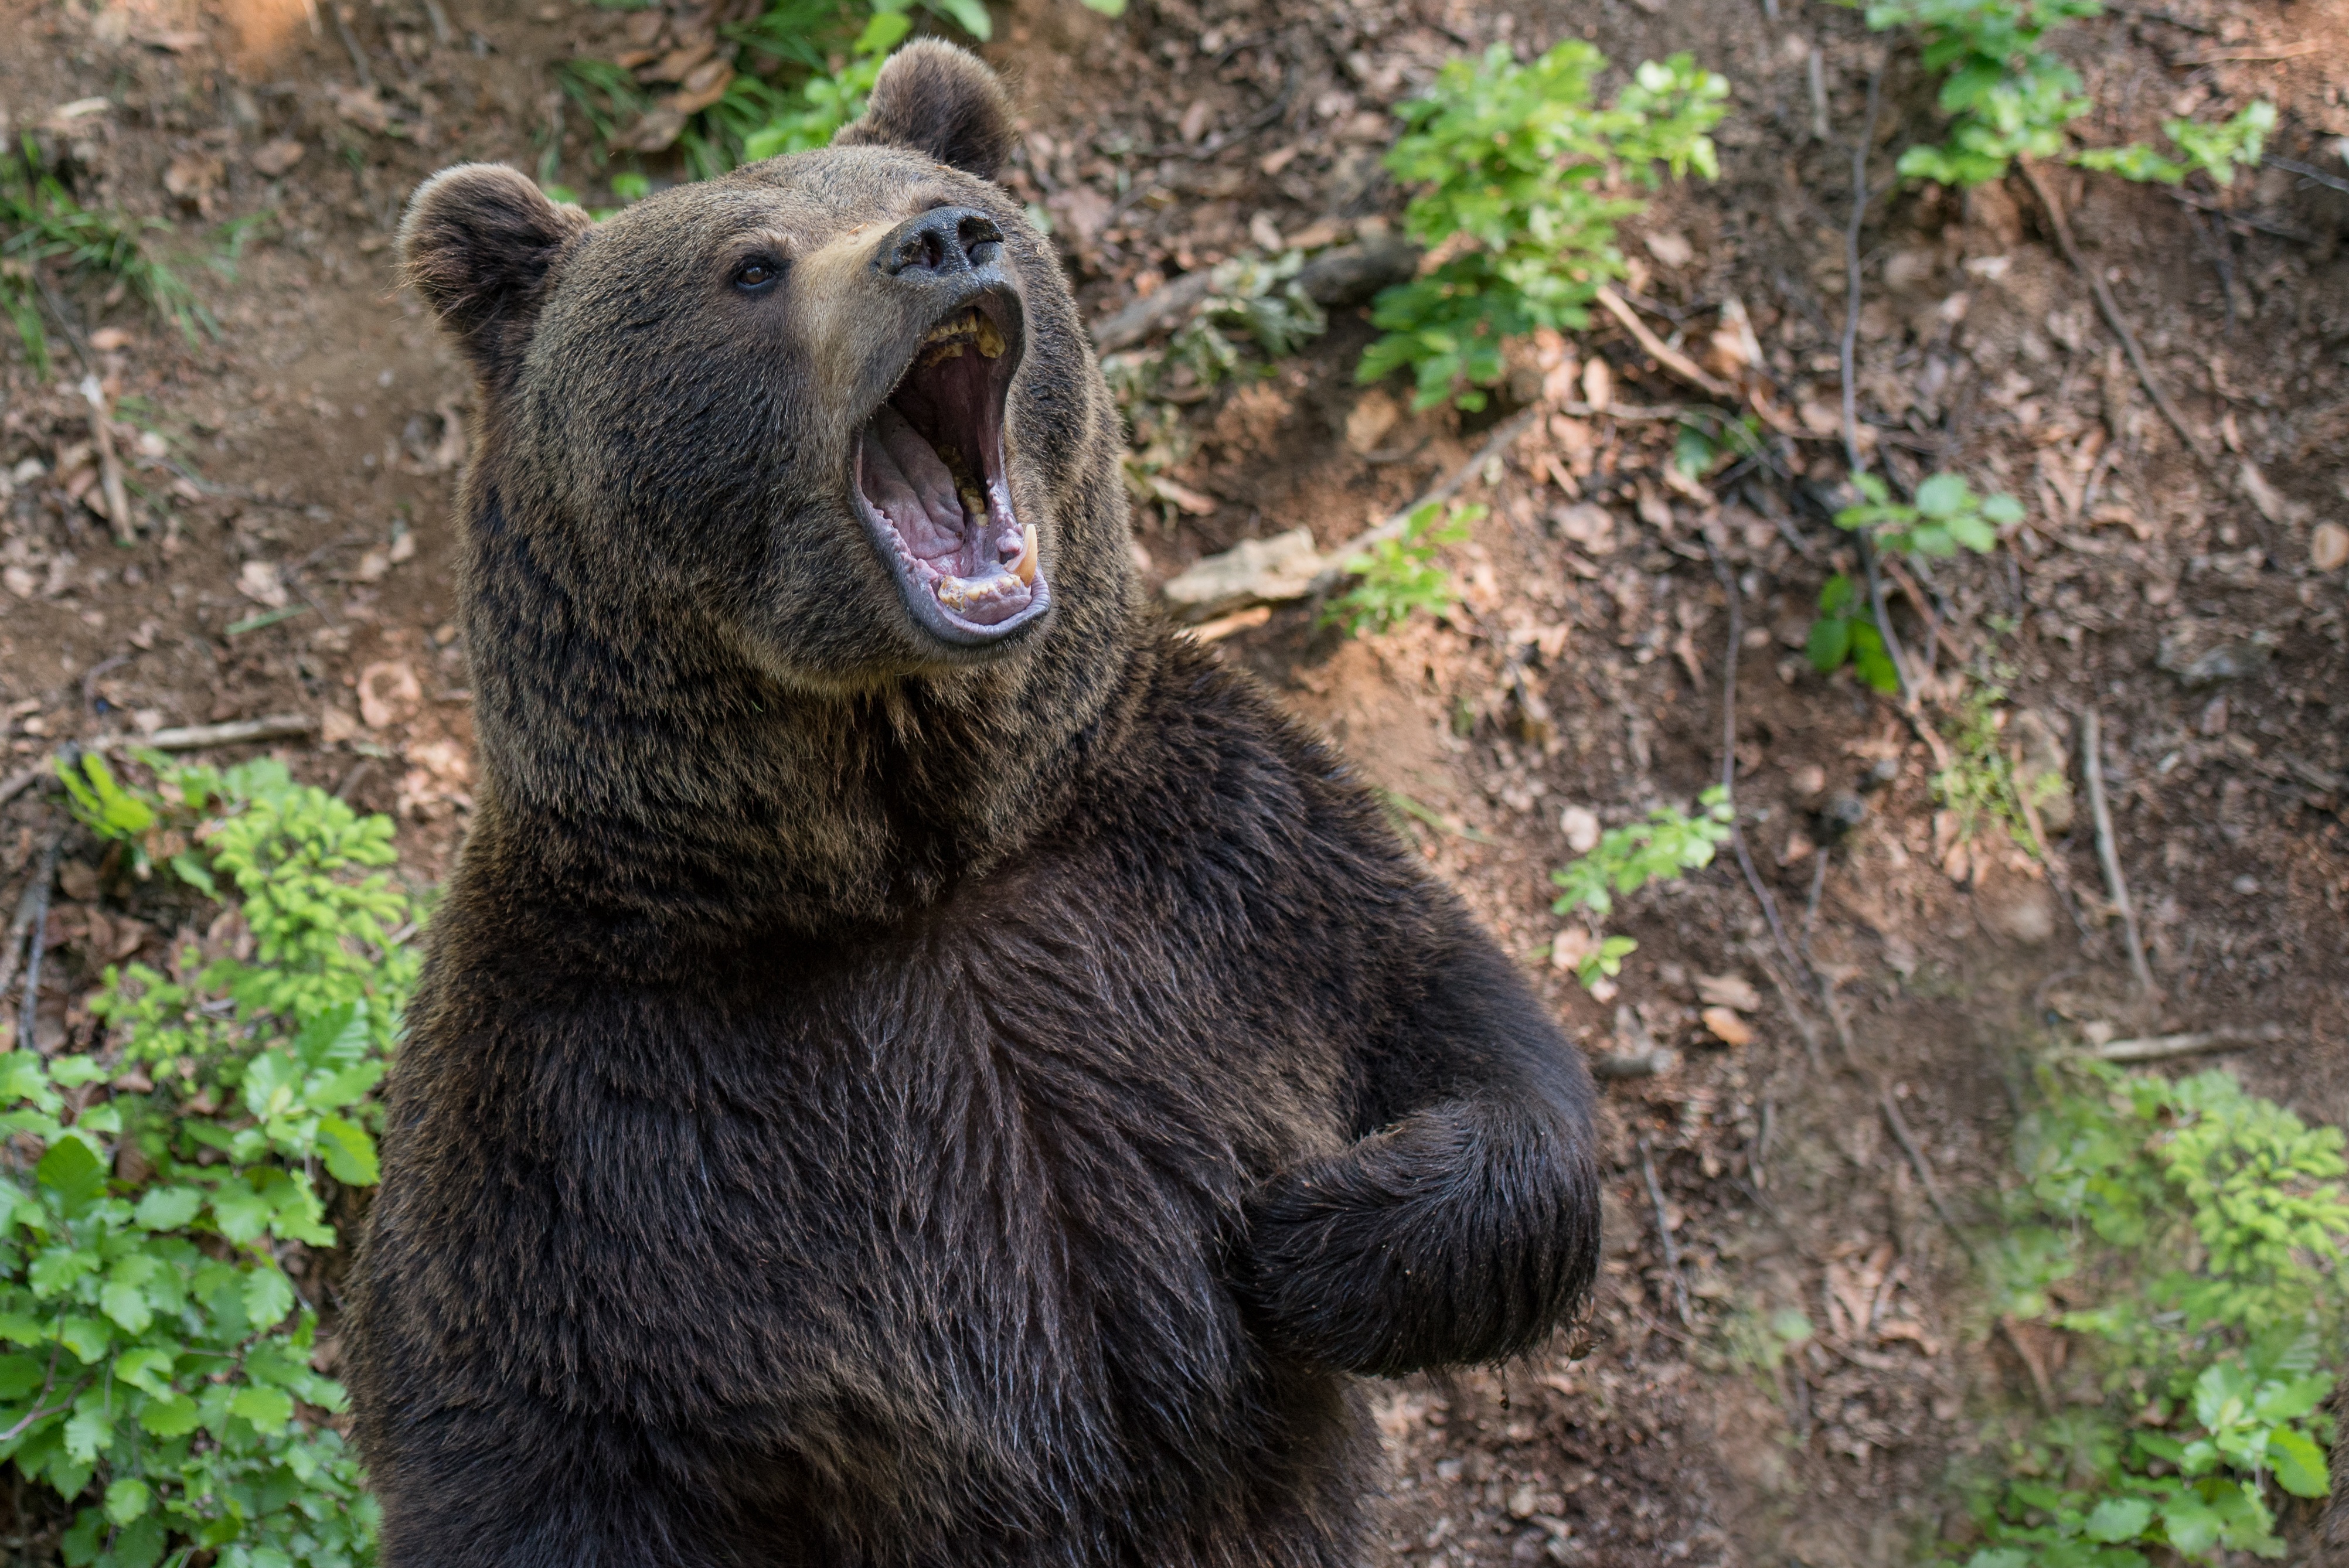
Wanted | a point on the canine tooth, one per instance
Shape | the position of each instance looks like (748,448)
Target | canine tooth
(1025,567)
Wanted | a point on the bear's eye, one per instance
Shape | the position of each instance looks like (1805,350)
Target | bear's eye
(757,275)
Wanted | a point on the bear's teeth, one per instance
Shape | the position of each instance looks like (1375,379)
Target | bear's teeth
(990,342)
(1025,567)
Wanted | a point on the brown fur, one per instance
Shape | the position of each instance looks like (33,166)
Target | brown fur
(873,1101)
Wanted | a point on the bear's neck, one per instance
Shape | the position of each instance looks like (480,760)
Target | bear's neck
(643,781)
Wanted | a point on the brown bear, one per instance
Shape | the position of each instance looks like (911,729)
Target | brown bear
(919,1064)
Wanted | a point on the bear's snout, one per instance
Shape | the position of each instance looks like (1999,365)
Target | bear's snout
(941,244)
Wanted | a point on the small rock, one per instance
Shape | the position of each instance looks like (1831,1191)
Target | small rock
(2328,547)
(2213,722)
(2012,904)
(2246,885)
(1810,780)
(275,157)
(1672,250)
(1580,826)
(2227,660)
(259,582)
(1843,812)
(1367,423)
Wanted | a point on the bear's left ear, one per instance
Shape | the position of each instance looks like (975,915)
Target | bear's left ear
(477,242)
(941,101)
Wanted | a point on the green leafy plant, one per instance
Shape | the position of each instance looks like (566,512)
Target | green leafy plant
(1844,634)
(1521,182)
(1397,576)
(42,224)
(1256,295)
(159,1354)
(1982,783)
(1665,847)
(1945,517)
(2009,96)
(2217,150)
(2188,1235)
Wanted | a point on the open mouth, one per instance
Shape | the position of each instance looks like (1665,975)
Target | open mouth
(929,480)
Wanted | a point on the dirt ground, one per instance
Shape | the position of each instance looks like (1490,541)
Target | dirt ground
(299,464)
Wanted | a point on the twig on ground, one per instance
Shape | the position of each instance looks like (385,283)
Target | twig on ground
(2162,1048)
(351,46)
(2110,309)
(110,464)
(1663,354)
(2201,203)
(1504,436)
(1892,649)
(1343,275)
(24,778)
(241,732)
(29,906)
(1847,348)
(38,893)
(1802,1022)
(2092,767)
(1664,1233)
(2291,166)
(1908,1141)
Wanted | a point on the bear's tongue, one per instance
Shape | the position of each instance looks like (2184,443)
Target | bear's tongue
(961,548)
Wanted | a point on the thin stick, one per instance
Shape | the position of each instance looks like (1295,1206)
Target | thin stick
(1664,1233)
(40,926)
(351,44)
(2110,309)
(28,906)
(1504,436)
(1908,1141)
(2092,766)
(2162,1048)
(1663,354)
(1847,349)
(110,465)
(242,731)
(24,778)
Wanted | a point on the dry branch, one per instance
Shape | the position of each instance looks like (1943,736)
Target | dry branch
(2092,768)
(2110,309)
(1663,353)
(243,732)
(2162,1048)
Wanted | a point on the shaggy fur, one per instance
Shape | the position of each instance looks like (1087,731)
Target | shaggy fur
(873,1102)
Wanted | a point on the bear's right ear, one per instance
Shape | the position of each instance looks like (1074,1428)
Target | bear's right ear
(477,242)
(939,100)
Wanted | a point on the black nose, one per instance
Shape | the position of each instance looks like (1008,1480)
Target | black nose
(941,242)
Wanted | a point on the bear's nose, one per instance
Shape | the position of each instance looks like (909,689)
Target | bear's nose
(941,242)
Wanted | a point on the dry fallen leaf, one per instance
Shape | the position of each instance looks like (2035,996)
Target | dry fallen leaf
(1732,991)
(1727,1026)
(1580,826)
(275,157)
(389,694)
(259,582)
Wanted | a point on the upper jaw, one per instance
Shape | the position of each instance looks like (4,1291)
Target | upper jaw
(928,480)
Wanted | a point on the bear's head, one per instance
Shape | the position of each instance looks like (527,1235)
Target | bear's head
(833,411)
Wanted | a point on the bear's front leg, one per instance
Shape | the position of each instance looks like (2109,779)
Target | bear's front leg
(1465,1225)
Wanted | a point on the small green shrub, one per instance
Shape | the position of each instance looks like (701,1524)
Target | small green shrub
(1518,178)
(1845,633)
(1666,847)
(159,1365)
(42,223)
(1946,516)
(2190,1236)
(1397,576)
(1980,785)
(2008,95)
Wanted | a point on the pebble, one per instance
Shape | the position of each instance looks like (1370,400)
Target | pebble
(2328,547)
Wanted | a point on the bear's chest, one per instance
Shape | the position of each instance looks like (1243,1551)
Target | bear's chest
(978,1188)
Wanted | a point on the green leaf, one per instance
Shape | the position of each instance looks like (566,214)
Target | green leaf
(1942,496)
(87,1433)
(2002,509)
(2118,1519)
(86,1337)
(1106,7)
(148,1370)
(173,1415)
(347,1151)
(73,1174)
(1830,644)
(267,1409)
(268,1295)
(968,15)
(240,1211)
(167,1208)
(2299,1464)
(127,1305)
(127,1499)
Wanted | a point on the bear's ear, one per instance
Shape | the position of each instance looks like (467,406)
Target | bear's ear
(939,100)
(477,242)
